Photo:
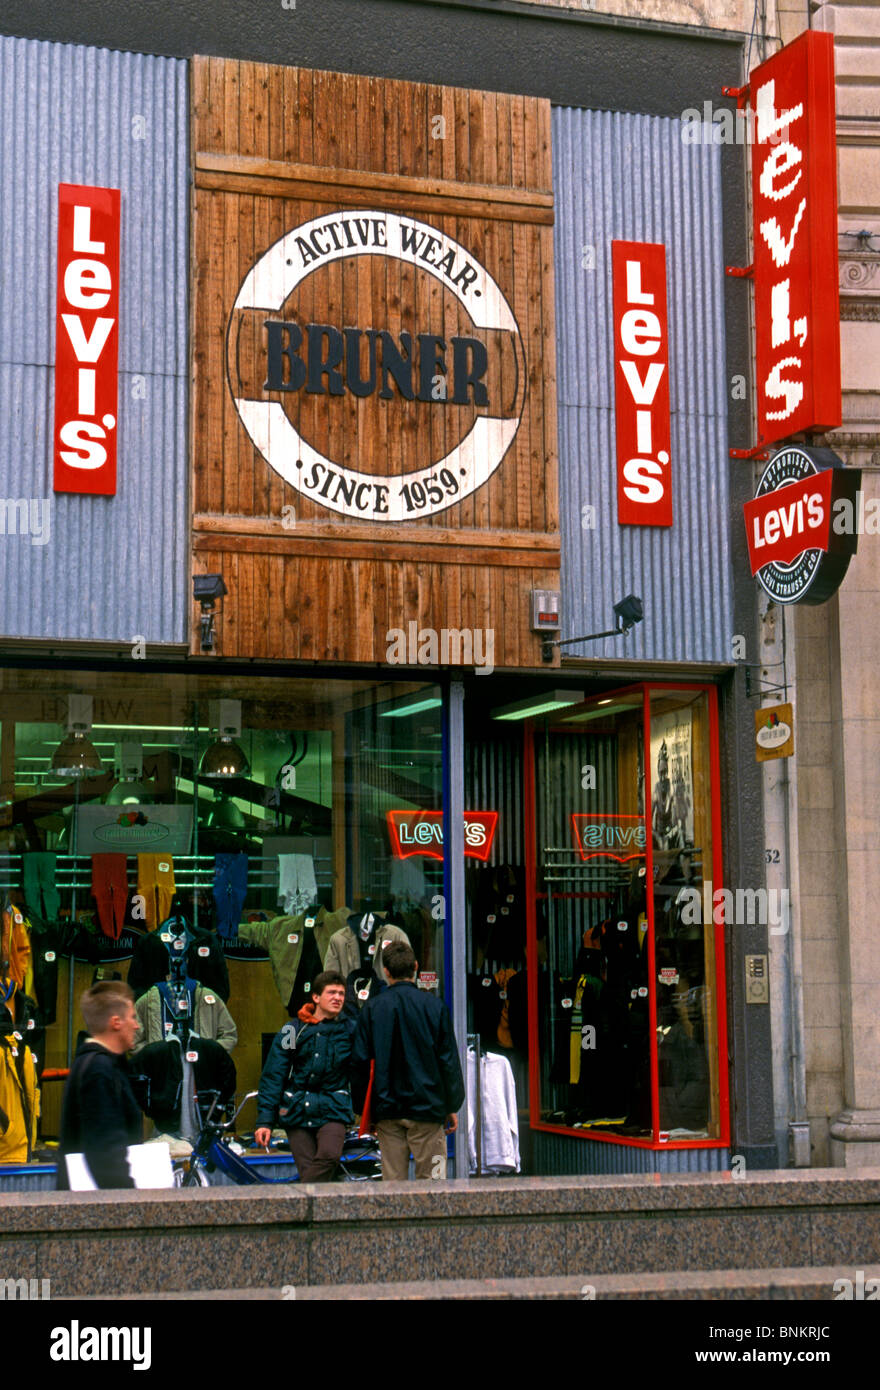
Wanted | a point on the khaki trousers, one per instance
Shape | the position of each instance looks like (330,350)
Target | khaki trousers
(425,1139)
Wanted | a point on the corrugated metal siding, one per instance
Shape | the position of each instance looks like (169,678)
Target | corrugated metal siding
(625,177)
(555,1154)
(113,567)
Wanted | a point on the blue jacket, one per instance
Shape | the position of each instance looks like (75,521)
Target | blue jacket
(305,1082)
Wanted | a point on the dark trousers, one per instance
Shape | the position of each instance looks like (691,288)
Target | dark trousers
(316,1151)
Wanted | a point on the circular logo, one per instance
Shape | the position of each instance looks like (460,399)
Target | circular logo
(788,583)
(376,365)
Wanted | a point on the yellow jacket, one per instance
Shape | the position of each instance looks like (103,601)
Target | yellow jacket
(19,1096)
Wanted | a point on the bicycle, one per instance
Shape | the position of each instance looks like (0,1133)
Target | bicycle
(213,1151)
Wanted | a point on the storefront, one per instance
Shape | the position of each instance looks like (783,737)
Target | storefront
(399,487)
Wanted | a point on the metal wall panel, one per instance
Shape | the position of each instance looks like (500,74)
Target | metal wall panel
(627,177)
(113,567)
(555,1154)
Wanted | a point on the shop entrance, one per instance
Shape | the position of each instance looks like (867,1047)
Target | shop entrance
(626,998)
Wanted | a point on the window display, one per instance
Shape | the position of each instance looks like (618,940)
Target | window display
(245,820)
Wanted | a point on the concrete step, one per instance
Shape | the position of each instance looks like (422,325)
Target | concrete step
(773,1285)
(568,1231)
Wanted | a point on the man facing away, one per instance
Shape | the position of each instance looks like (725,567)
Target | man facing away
(417,1086)
(99,1114)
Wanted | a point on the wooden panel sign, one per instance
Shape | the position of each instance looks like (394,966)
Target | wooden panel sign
(375,433)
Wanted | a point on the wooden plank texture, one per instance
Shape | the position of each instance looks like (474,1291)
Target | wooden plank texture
(385,365)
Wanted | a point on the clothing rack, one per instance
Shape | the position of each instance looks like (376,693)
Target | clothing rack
(473,1041)
(191,871)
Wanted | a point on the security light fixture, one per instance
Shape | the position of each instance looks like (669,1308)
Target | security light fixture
(207,588)
(628,611)
(224,758)
(75,756)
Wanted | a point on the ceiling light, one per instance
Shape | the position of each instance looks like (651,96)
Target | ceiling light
(414,707)
(224,758)
(75,756)
(538,704)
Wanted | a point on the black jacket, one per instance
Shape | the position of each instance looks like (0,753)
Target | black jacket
(418,1075)
(305,1082)
(99,1116)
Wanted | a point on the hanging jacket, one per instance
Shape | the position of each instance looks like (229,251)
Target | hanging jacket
(19,1093)
(15,945)
(305,1082)
(210,1018)
(344,955)
(282,937)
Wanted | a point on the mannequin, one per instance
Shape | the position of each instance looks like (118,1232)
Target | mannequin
(356,950)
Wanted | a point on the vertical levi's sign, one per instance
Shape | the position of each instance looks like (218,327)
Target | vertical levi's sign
(641,384)
(794,199)
(86,340)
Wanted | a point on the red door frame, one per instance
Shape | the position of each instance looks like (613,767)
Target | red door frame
(531,876)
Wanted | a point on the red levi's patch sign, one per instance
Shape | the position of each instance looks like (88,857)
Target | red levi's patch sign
(781,525)
(86,340)
(641,383)
(421,832)
(794,200)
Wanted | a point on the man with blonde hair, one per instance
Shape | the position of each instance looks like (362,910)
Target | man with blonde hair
(100,1117)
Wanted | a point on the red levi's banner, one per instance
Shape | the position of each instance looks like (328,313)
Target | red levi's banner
(781,525)
(641,383)
(794,200)
(421,832)
(86,340)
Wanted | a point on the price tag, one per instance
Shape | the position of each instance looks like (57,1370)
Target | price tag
(505,912)
(485,982)
(386,944)
(192,1056)
(181,1004)
(204,951)
(622,926)
(165,936)
(179,945)
(310,921)
(168,1026)
(363,994)
(643,991)
(491,917)
(164,866)
(307,986)
(371,950)
(566,1003)
(510,897)
(30,1023)
(49,956)
(209,999)
(502,994)
(293,938)
(17,1036)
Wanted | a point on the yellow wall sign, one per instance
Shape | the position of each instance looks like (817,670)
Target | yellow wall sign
(774,732)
